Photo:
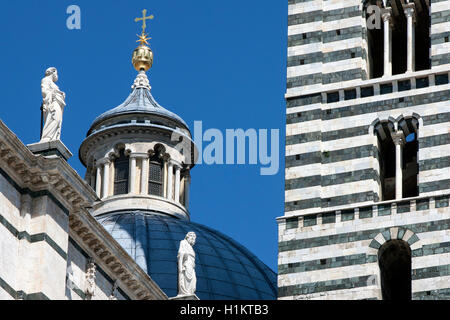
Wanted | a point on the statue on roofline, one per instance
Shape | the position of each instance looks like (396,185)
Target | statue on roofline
(52,106)
(187,280)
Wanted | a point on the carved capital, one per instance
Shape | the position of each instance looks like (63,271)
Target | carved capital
(386,14)
(398,138)
(409,10)
(103,161)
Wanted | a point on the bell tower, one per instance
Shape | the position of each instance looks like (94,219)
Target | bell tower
(367,151)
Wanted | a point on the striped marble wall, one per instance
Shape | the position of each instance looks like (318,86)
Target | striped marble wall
(332,152)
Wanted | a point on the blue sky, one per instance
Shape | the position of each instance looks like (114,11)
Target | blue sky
(219,62)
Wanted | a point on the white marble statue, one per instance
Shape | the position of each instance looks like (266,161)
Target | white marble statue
(53,106)
(187,280)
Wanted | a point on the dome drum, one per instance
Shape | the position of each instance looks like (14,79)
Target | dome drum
(139,172)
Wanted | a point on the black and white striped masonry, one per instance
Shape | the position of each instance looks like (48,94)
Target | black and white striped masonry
(367,151)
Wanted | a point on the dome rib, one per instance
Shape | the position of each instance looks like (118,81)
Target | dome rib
(140,101)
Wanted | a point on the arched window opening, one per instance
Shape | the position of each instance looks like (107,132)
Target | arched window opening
(386,160)
(375,42)
(156,175)
(409,162)
(121,173)
(422,35)
(394,259)
(399,38)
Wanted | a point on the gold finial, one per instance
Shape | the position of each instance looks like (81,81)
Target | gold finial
(144,19)
(143,55)
(143,39)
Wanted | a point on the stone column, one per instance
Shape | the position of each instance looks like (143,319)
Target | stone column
(170,181)
(399,140)
(387,42)
(132,180)
(106,169)
(144,176)
(98,181)
(177,183)
(409,13)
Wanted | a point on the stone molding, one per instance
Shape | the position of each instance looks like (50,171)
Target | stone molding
(112,258)
(429,195)
(358,83)
(140,202)
(54,177)
(37,173)
(99,137)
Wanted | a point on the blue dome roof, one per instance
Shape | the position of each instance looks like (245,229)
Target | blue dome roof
(225,269)
(140,101)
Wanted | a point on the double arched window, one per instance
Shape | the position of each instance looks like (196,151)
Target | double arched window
(397,150)
(397,37)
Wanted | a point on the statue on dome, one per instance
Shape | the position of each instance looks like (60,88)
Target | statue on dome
(52,106)
(187,280)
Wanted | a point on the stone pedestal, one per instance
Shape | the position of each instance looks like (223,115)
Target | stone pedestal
(181,298)
(51,148)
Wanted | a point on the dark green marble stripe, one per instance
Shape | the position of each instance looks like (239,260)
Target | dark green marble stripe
(329,180)
(331,202)
(33,238)
(434,141)
(304,100)
(304,80)
(441,294)
(434,186)
(302,18)
(328,135)
(5,286)
(436,118)
(323,286)
(330,156)
(357,259)
(298,1)
(387,105)
(440,17)
(359,236)
(356,282)
(304,38)
(304,59)
(440,59)
(431,272)
(324,264)
(303,138)
(309,115)
(20,294)
(435,163)
(355,32)
(439,38)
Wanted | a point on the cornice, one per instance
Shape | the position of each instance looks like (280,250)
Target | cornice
(36,172)
(112,258)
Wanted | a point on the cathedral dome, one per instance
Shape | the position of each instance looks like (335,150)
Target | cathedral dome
(225,269)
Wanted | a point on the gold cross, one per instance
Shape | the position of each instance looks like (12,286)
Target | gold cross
(143,19)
